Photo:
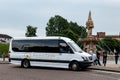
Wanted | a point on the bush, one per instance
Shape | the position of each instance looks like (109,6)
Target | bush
(5,48)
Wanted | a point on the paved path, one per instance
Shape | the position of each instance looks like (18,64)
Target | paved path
(112,64)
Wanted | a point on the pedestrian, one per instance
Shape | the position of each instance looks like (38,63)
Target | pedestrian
(116,56)
(98,58)
(3,55)
(104,57)
(91,52)
(94,57)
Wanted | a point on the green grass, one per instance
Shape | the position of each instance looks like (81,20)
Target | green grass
(5,48)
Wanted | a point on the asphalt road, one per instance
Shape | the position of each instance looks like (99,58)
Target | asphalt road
(13,72)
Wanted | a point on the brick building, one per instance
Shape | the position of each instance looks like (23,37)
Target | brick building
(102,35)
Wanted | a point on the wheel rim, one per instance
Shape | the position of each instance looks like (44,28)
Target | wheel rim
(26,64)
(74,66)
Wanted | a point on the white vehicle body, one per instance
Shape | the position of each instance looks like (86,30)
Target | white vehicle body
(59,52)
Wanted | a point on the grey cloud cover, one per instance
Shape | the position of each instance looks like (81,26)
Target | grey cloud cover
(15,15)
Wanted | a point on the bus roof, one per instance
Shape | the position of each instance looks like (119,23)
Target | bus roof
(51,37)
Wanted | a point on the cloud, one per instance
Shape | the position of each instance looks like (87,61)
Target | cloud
(13,32)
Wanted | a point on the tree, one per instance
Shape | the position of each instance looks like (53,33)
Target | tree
(79,30)
(31,31)
(58,26)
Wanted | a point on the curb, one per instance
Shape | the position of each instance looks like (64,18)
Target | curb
(104,69)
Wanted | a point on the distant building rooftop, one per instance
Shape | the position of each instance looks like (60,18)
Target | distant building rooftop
(101,35)
(5,36)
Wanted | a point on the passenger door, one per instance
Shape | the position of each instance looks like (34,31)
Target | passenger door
(66,53)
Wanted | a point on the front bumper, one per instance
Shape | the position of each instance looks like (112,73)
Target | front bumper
(85,64)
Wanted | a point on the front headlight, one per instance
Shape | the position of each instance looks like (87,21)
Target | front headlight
(90,58)
(85,58)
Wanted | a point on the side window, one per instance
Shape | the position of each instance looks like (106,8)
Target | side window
(64,48)
(50,46)
(20,46)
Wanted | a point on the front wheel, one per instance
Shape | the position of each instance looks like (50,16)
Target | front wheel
(25,64)
(75,66)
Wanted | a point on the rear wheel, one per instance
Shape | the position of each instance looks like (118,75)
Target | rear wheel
(25,64)
(75,66)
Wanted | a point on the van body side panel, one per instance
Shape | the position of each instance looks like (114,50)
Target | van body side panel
(45,52)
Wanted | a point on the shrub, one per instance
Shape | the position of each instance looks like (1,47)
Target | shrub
(5,48)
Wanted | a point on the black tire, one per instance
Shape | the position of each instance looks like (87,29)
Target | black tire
(74,66)
(25,63)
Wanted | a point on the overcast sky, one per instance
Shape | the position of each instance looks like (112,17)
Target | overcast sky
(15,15)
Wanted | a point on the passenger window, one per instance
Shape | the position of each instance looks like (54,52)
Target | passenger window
(64,48)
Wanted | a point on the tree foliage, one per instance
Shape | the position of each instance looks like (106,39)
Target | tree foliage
(31,31)
(109,43)
(58,26)
(4,48)
(79,30)
(69,33)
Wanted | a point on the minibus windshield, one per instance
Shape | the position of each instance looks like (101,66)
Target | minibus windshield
(75,47)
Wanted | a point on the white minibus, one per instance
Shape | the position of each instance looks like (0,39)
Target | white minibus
(59,52)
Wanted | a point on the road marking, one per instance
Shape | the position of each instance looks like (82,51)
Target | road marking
(108,72)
